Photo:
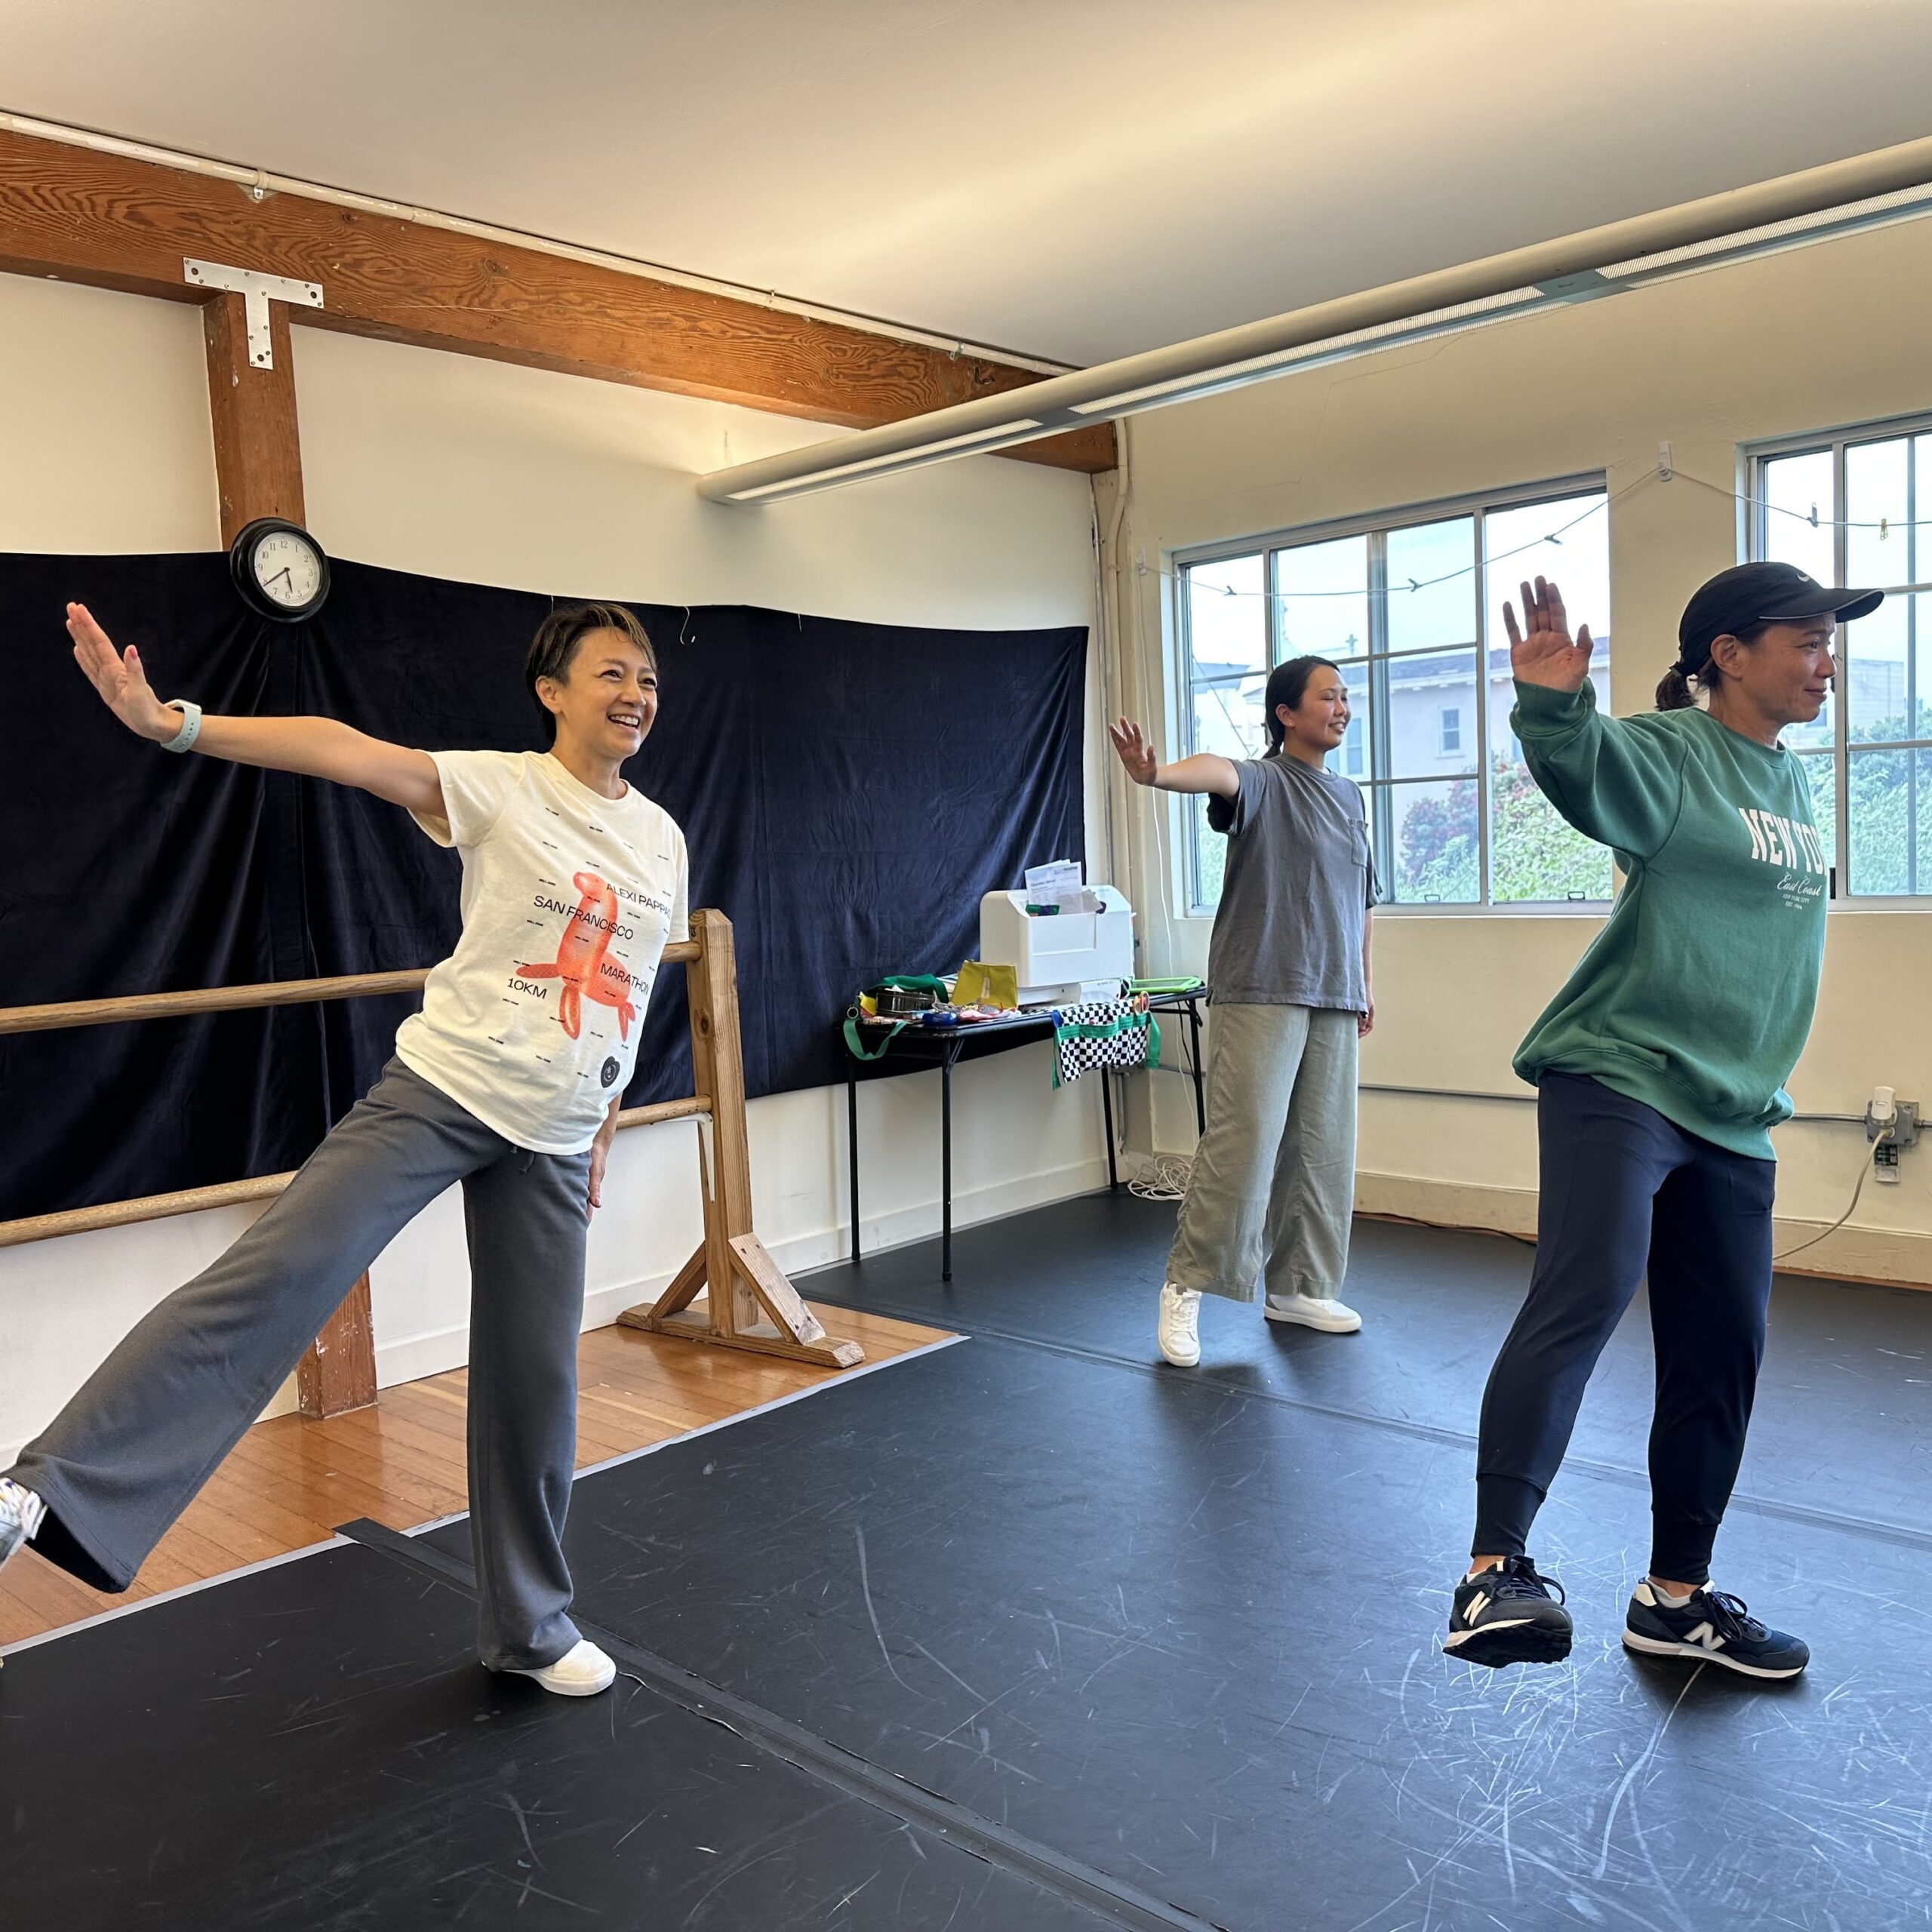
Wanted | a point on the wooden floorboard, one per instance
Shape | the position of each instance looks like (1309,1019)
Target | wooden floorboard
(290,1481)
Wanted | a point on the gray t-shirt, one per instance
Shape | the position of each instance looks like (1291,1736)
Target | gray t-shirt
(1300,878)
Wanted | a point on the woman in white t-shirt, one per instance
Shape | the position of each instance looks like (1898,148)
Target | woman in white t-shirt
(509,1080)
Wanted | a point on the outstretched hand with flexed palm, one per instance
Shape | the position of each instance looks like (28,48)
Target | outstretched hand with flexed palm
(1136,750)
(122,683)
(1542,653)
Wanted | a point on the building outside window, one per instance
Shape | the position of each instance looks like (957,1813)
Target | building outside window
(1410,609)
(1857,509)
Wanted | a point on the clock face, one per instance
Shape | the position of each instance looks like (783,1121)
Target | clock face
(287,568)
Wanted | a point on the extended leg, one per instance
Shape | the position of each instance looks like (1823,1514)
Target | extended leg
(150,1426)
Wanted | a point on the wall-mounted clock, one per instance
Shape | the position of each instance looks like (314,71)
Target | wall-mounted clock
(279,569)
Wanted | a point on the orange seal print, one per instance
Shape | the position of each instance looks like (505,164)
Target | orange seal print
(583,960)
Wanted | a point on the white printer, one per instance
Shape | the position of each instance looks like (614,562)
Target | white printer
(1084,950)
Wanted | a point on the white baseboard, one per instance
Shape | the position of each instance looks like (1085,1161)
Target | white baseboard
(439,1350)
(1885,1256)
(921,1221)
(1445,1203)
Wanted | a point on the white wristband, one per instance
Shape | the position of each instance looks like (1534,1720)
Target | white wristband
(191,725)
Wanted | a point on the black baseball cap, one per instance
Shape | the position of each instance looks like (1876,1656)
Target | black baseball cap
(1735,600)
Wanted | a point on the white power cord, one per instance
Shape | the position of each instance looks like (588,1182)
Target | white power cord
(1163,1178)
(1870,1161)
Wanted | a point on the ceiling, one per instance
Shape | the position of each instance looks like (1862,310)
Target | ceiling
(1069,179)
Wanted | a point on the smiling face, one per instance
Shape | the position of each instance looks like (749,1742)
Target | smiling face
(1317,725)
(605,701)
(1783,674)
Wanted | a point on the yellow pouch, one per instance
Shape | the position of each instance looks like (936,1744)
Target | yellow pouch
(987,986)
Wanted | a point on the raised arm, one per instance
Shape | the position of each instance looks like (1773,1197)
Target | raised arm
(1203,772)
(318,747)
(1620,786)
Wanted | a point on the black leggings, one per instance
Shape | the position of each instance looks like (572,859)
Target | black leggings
(1624,1191)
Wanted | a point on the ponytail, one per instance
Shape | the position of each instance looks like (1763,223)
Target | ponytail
(1675,693)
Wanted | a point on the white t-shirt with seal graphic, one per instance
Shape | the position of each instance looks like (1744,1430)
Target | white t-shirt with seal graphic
(568,901)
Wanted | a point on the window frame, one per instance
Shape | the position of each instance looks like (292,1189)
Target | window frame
(1374,525)
(1755,523)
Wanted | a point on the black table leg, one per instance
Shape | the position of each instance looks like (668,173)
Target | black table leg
(1200,1091)
(946,1167)
(1107,1109)
(852,1153)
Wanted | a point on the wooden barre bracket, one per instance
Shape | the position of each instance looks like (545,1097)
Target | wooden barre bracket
(750,1303)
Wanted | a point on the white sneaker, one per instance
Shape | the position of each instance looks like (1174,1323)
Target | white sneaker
(1336,1318)
(1179,1333)
(581,1671)
(20,1512)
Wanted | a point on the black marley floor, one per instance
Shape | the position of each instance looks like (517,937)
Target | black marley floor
(1032,1631)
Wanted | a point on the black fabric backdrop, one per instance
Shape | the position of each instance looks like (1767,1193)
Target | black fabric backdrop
(847,790)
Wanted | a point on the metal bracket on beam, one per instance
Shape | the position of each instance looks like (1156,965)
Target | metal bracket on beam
(256,291)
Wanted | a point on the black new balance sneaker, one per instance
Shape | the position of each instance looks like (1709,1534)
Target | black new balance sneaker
(1507,1616)
(1714,1628)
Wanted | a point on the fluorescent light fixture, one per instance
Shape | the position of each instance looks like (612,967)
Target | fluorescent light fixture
(1259,369)
(1842,197)
(971,443)
(1774,238)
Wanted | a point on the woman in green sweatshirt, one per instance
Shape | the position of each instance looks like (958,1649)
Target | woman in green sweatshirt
(1660,1068)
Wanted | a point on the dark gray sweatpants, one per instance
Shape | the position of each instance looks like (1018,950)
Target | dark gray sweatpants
(148,1428)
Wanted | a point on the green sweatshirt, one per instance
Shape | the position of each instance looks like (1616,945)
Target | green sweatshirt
(1696,999)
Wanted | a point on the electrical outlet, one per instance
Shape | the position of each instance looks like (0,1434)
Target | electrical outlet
(1893,1125)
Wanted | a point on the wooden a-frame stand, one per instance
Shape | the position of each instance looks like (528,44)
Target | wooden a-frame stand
(750,1304)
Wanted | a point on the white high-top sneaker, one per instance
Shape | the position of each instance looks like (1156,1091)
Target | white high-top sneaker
(1179,1332)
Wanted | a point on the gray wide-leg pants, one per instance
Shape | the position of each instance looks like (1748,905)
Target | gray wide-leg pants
(149,1426)
(1274,1185)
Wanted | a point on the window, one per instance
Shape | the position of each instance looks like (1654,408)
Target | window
(1849,509)
(1412,610)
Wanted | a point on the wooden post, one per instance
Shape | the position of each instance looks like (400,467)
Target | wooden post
(338,1373)
(750,1303)
(258,473)
(258,446)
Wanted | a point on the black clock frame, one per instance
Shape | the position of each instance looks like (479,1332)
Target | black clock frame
(241,568)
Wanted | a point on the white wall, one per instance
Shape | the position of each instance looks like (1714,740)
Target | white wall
(462,469)
(1827,337)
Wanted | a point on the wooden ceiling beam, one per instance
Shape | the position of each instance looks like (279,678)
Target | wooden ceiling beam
(78,215)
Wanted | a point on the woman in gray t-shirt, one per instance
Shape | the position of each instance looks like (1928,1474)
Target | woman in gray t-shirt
(1273,1186)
